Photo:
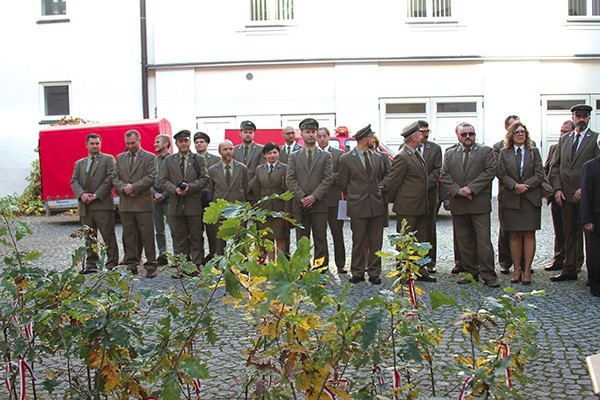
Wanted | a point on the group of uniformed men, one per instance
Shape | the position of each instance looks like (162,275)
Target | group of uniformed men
(177,187)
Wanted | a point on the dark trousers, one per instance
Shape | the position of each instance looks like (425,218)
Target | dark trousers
(336,227)
(559,235)
(317,224)
(103,221)
(161,213)
(474,229)
(138,232)
(432,233)
(592,258)
(371,230)
(188,236)
(573,238)
(504,257)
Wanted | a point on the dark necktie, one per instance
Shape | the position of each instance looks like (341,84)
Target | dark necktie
(367,163)
(245,154)
(182,166)
(270,168)
(131,161)
(421,159)
(519,161)
(289,150)
(309,157)
(89,171)
(228,174)
(465,159)
(575,143)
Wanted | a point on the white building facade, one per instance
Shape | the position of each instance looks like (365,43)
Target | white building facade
(209,65)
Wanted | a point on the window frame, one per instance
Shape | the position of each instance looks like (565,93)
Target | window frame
(45,116)
(46,18)
(429,18)
(270,5)
(588,17)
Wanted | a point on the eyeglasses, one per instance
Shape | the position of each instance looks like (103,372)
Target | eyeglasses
(465,134)
(518,133)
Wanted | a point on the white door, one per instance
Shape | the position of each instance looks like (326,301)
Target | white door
(442,114)
(215,128)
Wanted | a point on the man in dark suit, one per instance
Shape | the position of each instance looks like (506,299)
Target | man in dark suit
(504,257)
(133,177)
(590,218)
(573,150)
(162,144)
(290,145)
(184,176)
(92,186)
(467,174)
(334,195)
(201,142)
(359,176)
(432,154)
(407,188)
(228,181)
(558,260)
(249,153)
(309,176)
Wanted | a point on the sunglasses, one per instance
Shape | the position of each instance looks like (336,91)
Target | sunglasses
(465,134)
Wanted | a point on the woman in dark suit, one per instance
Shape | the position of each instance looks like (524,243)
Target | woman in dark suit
(520,172)
(270,179)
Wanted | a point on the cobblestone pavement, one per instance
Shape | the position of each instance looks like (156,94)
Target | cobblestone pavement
(567,316)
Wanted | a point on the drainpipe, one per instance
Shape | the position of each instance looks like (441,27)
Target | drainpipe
(144,51)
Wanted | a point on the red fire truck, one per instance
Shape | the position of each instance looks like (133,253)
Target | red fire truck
(61,146)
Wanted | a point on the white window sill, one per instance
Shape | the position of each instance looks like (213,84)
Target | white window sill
(53,19)
(269,27)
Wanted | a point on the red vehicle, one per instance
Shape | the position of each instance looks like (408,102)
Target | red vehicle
(61,146)
(341,139)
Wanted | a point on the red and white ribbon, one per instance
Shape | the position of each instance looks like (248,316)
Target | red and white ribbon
(29,331)
(377,370)
(344,383)
(468,379)
(197,386)
(505,354)
(411,293)
(396,379)
(24,367)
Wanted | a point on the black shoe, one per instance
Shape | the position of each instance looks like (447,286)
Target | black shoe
(464,280)
(457,270)
(554,267)
(431,269)
(88,271)
(356,279)
(491,283)
(375,280)
(426,278)
(342,271)
(162,260)
(504,270)
(563,277)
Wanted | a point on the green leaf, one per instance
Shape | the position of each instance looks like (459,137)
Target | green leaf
(371,327)
(170,390)
(232,286)
(229,228)
(195,369)
(439,299)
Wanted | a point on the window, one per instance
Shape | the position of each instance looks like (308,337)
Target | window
(55,100)
(271,10)
(54,7)
(429,8)
(585,8)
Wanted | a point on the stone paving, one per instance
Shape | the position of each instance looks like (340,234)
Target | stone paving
(567,316)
